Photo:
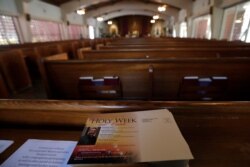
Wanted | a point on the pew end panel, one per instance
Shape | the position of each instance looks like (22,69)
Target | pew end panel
(80,51)
(14,71)
(4,92)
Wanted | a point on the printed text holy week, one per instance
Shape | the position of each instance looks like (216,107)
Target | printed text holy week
(113,120)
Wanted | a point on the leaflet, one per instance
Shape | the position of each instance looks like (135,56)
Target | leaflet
(45,153)
(144,136)
(4,144)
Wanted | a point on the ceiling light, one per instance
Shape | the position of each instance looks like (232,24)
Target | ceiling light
(238,21)
(152,21)
(155,17)
(99,19)
(110,22)
(162,8)
(80,11)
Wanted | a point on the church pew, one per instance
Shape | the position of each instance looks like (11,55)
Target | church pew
(60,56)
(14,71)
(47,50)
(4,93)
(216,132)
(160,41)
(155,79)
(164,53)
(32,52)
(175,45)
(65,47)
(81,50)
(31,58)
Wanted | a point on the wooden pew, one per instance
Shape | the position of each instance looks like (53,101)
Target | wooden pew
(217,132)
(164,53)
(14,71)
(4,93)
(155,79)
(160,41)
(81,50)
(48,50)
(65,47)
(32,52)
(162,45)
(60,56)
(32,58)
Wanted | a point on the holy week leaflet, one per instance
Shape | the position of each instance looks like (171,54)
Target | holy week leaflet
(130,137)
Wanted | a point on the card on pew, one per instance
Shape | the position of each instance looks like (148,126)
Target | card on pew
(151,137)
(35,152)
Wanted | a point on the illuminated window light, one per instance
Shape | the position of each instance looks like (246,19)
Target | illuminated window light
(246,6)
(152,21)
(80,11)
(155,17)
(110,22)
(91,32)
(99,19)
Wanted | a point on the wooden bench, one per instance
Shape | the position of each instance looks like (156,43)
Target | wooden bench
(4,93)
(81,50)
(60,56)
(164,53)
(155,79)
(216,132)
(174,44)
(14,71)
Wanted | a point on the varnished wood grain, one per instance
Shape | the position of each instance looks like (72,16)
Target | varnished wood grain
(63,76)
(148,52)
(14,71)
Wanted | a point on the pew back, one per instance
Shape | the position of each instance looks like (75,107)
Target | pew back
(164,53)
(155,79)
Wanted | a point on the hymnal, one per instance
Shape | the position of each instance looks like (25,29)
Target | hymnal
(111,80)
(85,81)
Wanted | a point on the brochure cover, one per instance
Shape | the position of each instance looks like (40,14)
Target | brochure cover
(143,136)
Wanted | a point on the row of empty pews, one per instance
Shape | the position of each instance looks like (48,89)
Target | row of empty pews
(124,75)
(153,69)
(20,63)
(146,68)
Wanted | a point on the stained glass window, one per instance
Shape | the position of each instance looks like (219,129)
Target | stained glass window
(45,31)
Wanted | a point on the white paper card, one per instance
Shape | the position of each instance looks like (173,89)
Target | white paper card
(4,144)
(164,140)
(41,153)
